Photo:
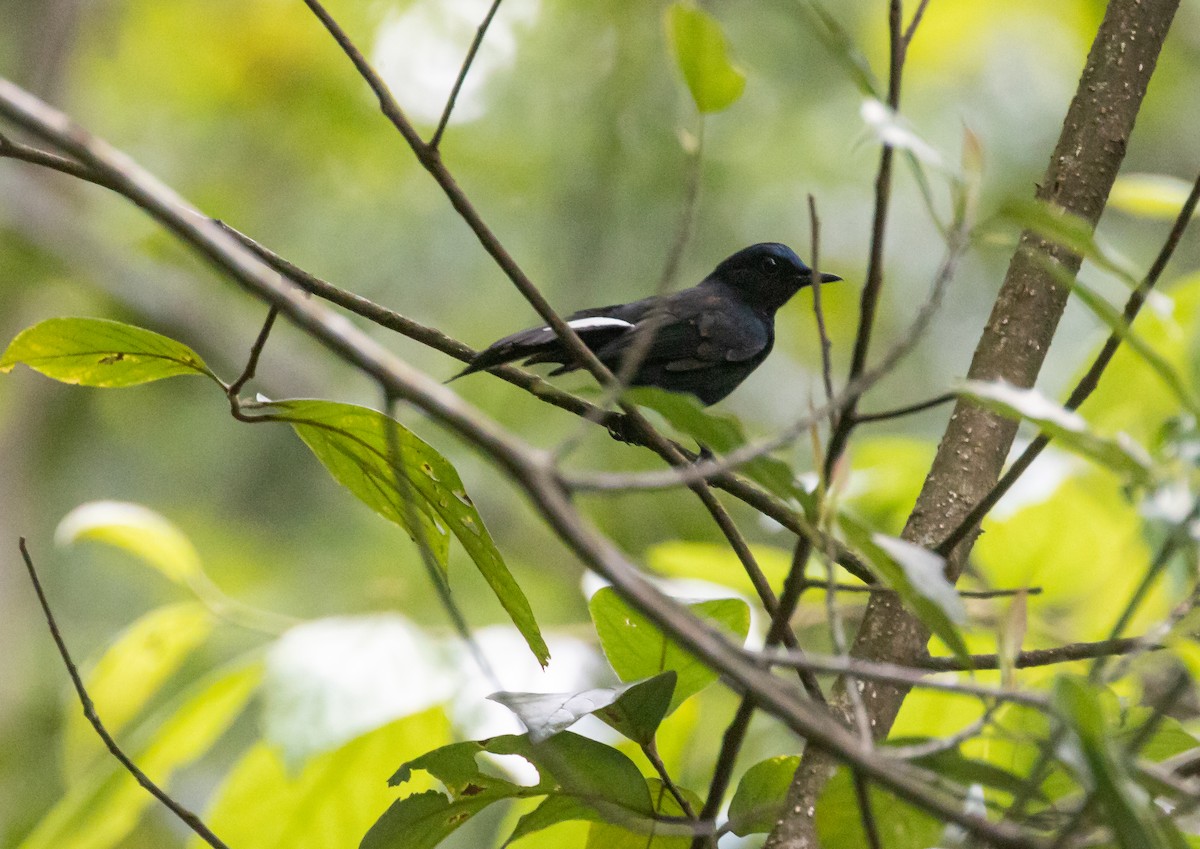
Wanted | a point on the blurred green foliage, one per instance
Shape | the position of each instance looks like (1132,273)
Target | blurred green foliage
(576,151)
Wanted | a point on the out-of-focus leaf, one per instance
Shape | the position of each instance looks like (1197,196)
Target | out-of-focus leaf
(839,821)
(1070,231)
(332,801)
(843,46)
(102,808)
(99,352)
(717,564)
(353,443)
(1069,429)
(568,764)
(917,576)
(139,531)
(892,130)
(953,765)
(633,709)
(701,51)
(329,681)
(1170,376)
(721,433)
(128,674)
(760,795)
(1156,196)
(1127,807)
(614,835)
(637,649)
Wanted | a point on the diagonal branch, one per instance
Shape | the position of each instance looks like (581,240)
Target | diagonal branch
(89,711)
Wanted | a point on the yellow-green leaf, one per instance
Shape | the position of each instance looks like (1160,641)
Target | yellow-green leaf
(102,808)
(139,531)
(1149,195)
(99,352)
(129,673)
(702,54)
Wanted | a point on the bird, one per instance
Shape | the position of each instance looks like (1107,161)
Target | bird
(704,341)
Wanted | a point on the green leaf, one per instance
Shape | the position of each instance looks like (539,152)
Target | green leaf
(331,802)
(569,765)
(953,765)
(900,826)
(761,795)
(552,811)
(702,55)
(128,674)
(648,835)
(721,433)
(1127,807)
(353,444)
(138,530)
(1070,231)
(916,574)
(634,709)
(637,649)
(1155,196)
(717,564)
(1069,429)
(843,46)
(1115,320)
(101,809)
(98,352)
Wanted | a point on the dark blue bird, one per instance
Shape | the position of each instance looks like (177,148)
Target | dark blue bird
(705,340)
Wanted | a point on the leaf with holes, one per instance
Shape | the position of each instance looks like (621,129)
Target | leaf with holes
(421,492)
(98,352)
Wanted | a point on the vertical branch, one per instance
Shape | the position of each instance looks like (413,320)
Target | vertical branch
(1012,347)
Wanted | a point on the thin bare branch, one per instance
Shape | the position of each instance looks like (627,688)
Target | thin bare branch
(184,815)
(899,412)
(256,350)
(480,32)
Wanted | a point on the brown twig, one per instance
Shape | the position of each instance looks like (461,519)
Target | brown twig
(256,350)
(899,412)
(480,32)
(1042,657)
(185,816)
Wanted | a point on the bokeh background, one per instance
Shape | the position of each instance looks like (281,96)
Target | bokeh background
(572,139)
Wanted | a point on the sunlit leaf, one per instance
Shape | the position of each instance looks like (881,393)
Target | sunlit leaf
(102,808)
(128,674)
(840,824)
(760,795)
(1156,196)
(332,801)
(1115,321)
(552,811)
(138,530)
(614,835)
(568,765)
(332,680)
(1126,806)
(637,649)
(718,432)
(424,494)
(717,564)
(98,352)
(702,54)
(633,709)
(917,576)
(1069,429)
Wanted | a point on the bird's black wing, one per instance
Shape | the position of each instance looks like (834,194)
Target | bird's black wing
(596,327)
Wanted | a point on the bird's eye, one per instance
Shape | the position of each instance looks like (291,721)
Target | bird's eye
(770,264)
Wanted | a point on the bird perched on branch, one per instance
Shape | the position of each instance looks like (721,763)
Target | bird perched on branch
(704,340)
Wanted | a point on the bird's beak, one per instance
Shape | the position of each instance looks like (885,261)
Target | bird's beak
(829,278)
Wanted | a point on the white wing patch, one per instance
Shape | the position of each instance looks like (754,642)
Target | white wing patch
(594,322)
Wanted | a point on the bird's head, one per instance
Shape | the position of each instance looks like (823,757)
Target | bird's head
(767,274)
